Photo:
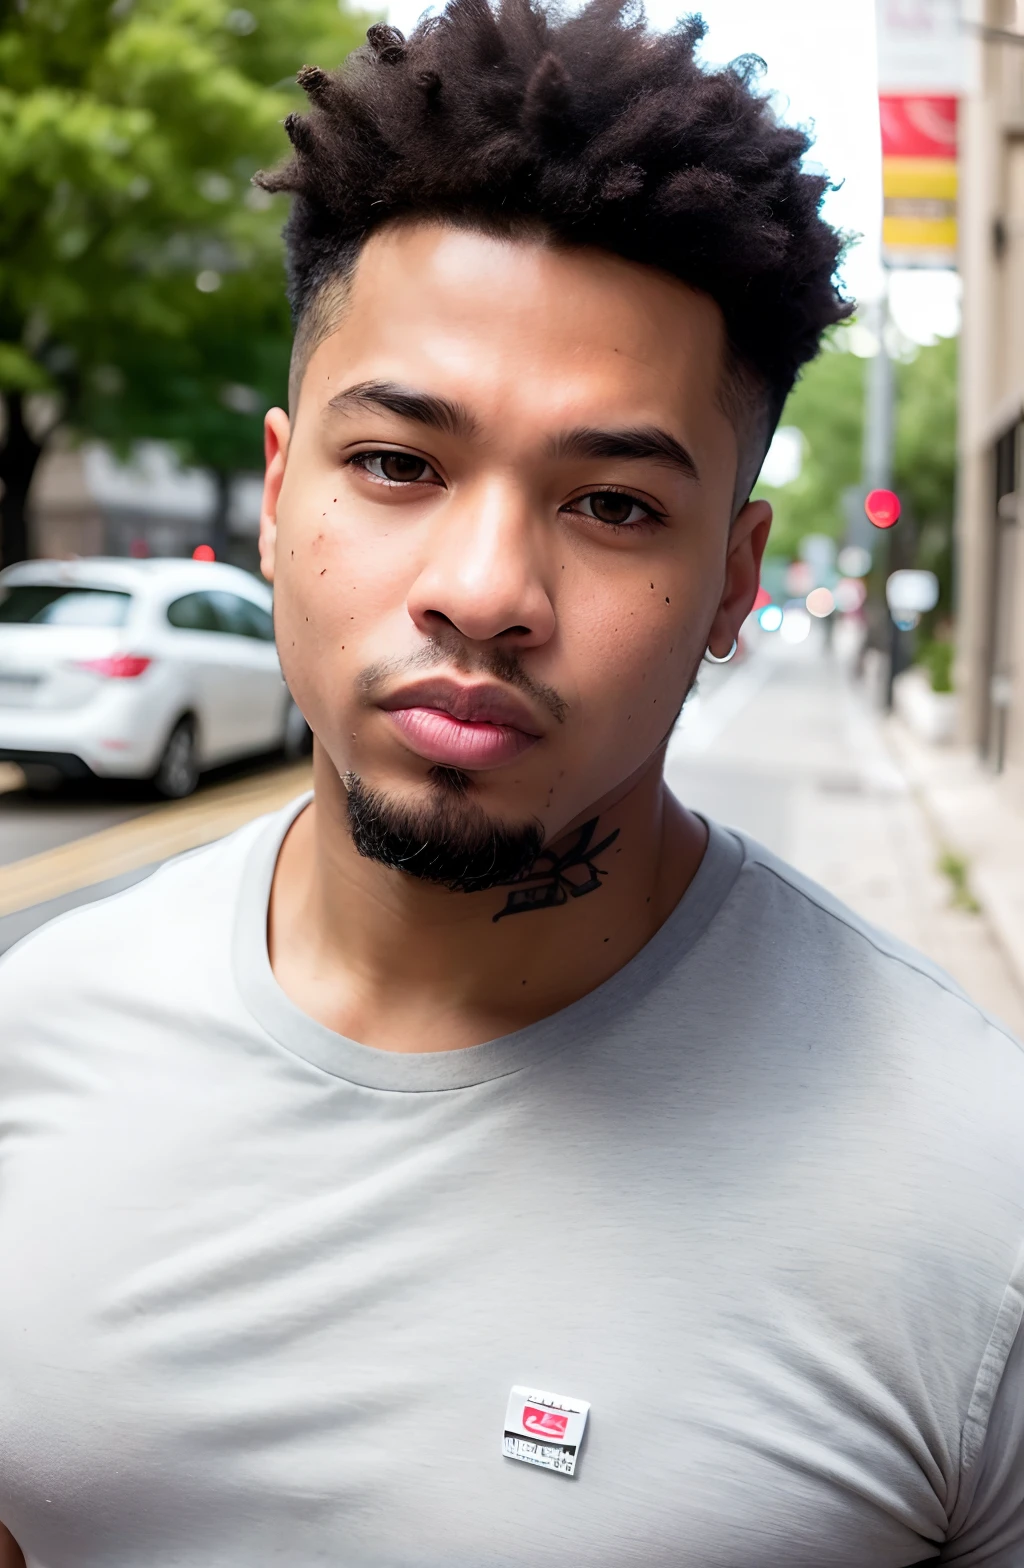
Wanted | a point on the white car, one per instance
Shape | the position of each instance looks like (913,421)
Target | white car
(151,669)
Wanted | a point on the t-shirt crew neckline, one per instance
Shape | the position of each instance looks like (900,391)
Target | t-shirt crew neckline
(462,1067)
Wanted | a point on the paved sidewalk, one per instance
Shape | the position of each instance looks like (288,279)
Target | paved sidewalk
(971,811)
(788,749)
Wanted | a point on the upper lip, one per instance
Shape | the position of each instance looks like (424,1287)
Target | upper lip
(479,703)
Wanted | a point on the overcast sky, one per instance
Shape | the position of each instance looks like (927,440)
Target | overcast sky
(820,58)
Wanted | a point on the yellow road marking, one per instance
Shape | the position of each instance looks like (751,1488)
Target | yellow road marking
(167,830)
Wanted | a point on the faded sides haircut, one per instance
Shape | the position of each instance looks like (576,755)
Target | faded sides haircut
(585,129)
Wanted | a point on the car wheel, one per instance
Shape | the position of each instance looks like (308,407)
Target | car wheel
(297,740)
(178,772)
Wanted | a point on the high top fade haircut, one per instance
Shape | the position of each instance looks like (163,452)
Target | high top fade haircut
(585,129)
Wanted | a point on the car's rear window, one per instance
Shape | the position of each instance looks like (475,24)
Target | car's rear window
(56,604)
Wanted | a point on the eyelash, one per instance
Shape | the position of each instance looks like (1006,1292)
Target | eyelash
(363,459)
(652,516)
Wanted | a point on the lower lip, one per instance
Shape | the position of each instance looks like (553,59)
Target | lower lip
(459,743)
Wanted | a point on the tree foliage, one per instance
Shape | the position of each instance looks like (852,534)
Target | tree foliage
(827,406)
(129,133)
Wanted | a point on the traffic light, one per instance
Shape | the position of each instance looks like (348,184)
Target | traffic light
(882,508)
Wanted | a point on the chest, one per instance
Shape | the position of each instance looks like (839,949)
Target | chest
(266,1347)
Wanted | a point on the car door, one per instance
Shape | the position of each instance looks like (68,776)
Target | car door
(259,690)
(196,640)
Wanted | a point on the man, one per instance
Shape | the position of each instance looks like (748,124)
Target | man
(490,1162)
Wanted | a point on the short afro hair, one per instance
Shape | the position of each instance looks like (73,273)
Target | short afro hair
(590,128)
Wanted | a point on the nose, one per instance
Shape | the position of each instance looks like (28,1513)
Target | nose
(484,571)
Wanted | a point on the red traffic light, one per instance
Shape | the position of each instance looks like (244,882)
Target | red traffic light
(882,508)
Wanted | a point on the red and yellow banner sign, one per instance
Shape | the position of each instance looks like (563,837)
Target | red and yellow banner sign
(919,178)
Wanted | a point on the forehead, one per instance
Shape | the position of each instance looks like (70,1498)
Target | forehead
(514,325)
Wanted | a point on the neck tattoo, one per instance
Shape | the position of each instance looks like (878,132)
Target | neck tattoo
(555,878)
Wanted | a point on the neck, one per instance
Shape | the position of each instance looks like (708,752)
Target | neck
(403,965)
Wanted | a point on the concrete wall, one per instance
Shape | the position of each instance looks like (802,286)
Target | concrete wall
(84,501)
(990,658)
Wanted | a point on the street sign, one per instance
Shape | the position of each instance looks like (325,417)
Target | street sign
(922,70)
(919,178)
(921,46)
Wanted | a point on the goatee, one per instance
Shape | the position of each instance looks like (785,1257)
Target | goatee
(449,840)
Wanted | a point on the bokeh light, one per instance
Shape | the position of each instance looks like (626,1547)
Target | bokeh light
(882,508)
(796,624)
(204,552)
(854,561)
(820,603)
(770,618)
(849,593)
(799,578)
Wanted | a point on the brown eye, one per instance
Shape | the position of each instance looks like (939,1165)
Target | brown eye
(610,507)
(401,466)
(614,508)
(398,468)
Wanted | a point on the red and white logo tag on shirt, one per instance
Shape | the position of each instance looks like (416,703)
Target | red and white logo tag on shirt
(544,1429)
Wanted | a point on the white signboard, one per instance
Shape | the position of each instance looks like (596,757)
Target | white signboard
(922,46)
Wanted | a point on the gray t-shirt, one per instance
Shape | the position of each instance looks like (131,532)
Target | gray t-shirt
(758,1200)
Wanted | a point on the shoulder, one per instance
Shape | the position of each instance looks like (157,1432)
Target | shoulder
(118,945)
(807,928)
(876,1071)
(833,1006)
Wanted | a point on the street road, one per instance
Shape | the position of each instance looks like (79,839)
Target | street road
(33,822)
(91,842)
(783,745)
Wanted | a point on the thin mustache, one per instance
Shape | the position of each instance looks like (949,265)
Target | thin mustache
(500,664)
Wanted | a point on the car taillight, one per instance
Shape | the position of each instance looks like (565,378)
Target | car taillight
(119,666)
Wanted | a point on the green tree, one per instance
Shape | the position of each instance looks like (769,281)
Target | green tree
(128,136)
(827,406)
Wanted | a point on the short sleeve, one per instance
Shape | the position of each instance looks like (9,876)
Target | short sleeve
(991,1533)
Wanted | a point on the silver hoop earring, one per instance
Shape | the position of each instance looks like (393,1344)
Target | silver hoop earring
(711,658)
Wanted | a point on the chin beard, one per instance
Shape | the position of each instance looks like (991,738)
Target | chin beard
(448,839)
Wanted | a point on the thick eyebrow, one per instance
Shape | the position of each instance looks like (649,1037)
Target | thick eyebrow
(645,444)
(390,398)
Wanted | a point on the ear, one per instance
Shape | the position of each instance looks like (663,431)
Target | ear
(276,431)
(747,539)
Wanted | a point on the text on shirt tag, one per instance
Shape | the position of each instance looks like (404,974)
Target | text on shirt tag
(544,1429)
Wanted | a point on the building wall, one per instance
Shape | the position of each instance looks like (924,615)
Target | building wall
(990,661)
(85,502)
(64,519)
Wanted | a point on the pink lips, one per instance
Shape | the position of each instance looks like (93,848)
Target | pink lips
(459,743)
(460,726)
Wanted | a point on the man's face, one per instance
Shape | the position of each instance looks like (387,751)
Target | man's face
(499,527)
